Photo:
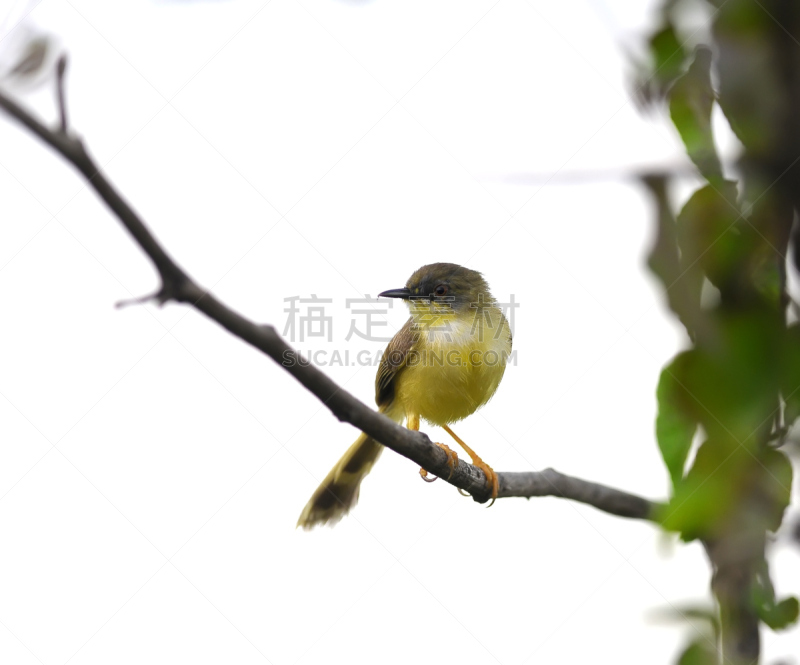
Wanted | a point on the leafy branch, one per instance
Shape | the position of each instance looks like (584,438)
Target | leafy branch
(722,262)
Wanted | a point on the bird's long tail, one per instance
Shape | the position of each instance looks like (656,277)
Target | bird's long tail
(338,493)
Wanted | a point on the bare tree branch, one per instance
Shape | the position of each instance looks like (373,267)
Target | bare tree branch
(178,286)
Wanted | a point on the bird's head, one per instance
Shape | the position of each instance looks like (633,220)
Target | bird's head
(443,288)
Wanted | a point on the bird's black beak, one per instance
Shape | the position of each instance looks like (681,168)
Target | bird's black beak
(396,293)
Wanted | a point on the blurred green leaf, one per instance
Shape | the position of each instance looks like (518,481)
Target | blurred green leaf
(729,384)
(780,615)
(729,482)
(706,496)
(701,652)
(784,614)
(733,378)
(703,241)
(790,381)
(668,54)
(674,428)
(775,484)
(777,615)
(665,63)
(709,240)
(691,101)
(681,285)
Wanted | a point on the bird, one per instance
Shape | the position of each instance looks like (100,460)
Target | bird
(442,365)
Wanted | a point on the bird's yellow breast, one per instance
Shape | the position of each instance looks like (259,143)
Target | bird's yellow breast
(454,366)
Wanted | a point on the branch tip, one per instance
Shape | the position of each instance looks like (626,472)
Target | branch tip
(61,68)
(161,296)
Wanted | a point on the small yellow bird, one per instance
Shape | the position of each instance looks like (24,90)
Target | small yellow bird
(443,364)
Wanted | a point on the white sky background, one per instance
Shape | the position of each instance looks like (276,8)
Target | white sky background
(154,467)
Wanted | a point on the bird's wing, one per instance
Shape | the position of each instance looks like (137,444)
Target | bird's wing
(393,360)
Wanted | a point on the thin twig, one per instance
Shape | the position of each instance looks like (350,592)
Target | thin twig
(416,446)
(61,68)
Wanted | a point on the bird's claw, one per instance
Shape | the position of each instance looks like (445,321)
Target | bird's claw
(452,463)
(424,475)
(491,479)
(452,458)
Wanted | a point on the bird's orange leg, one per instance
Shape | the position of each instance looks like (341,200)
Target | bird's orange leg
(452,458)
(491,476)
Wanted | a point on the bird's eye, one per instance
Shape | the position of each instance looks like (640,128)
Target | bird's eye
(440,290)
